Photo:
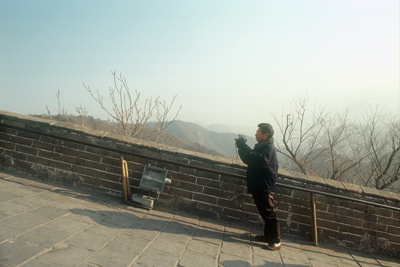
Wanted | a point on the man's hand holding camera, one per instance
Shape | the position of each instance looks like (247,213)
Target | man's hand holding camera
(240,141)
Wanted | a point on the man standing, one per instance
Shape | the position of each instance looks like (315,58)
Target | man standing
(262,170)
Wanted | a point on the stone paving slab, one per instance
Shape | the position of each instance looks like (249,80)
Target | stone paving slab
(46,224)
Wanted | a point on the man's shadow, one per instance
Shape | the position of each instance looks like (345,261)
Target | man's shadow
(143,221)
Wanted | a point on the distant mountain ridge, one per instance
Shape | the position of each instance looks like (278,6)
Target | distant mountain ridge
(223,143)
(215,139)
(220,128)
(173,140)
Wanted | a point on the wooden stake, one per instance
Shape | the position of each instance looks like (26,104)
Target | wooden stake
(314,220)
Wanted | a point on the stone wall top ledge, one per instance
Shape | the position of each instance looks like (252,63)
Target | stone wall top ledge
(169,149)
(334,184)
(112,137)
(315,180)
(227,161)
(292,175)
(18,117)
(93,132)
(353,188)
(289,181)
(202,156)
(185,152)
(372,192)
(392,196)
(72,127)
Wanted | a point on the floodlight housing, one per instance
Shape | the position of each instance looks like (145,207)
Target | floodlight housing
(153,178)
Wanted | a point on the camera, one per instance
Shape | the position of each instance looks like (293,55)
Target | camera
(242,138)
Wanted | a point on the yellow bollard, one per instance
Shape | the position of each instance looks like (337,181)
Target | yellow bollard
(126,188)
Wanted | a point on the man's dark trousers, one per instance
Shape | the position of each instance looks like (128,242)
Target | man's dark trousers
(265,205)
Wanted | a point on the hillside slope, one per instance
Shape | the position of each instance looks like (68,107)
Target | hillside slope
(172,140)
(223,143)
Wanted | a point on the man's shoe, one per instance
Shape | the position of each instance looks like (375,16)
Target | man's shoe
(261,238)
(273,246)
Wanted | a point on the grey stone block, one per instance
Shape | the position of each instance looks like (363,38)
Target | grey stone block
(128,243)
(160,212)
(44,236)
(194,259)
(8,231)
(173,248)
(187,219)
(334,184)
(157,258)
(38,263)
(4,175)
(228,260)
(105,230)
(236,249)
(179,228)
(315,180)
(372,192)
(292,256)
(12,208)
(32,201)
(353,188)
(263,257)
(212,225)
(210,236)
(69,204)
(15,252)
(68,256)
(203,247)
(142,231)
(152,222)
(120,219)
(23,191)
(85,215)
(112,257)
(5,196)
(49,211)
(67,225)
(173,237)
(26,220)
(88,240)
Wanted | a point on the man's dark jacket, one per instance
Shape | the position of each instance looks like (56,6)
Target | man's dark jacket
(262,166)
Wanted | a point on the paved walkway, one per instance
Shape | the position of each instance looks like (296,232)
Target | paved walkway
(45,224)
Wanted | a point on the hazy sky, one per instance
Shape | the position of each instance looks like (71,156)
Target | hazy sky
(232,62)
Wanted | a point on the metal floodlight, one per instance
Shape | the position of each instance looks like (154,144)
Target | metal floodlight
(153,178)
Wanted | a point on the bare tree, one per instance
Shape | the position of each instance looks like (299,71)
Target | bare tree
(331,146)
(302,134)
(162,122)
(127,115)
(83,112)
(381,137)
(62,112)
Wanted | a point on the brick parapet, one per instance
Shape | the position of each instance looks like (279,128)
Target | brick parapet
(207,192)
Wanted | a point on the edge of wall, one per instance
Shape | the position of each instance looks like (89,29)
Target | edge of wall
(284,177)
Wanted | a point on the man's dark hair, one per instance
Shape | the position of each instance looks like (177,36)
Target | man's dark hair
(266,128)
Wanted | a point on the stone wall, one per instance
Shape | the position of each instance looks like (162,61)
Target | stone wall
(209,186)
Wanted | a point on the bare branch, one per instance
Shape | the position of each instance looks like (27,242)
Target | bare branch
(62,112)
(161,118)
(83,112)
(48,112)
(126,114)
